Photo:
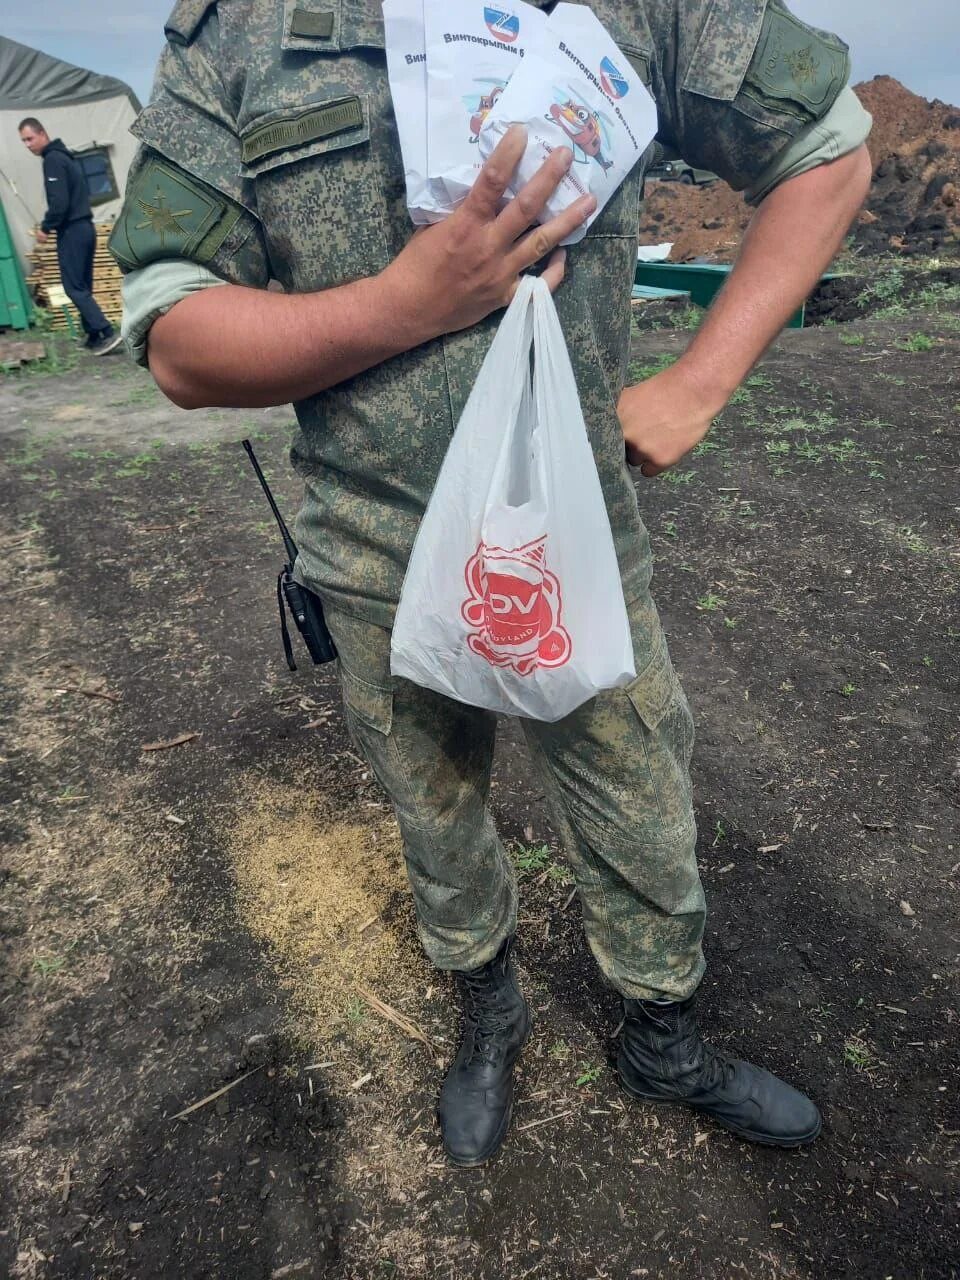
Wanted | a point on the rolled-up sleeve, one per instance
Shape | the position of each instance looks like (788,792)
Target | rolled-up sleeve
(151,291)
(845,127)
(738,81)
(189,218)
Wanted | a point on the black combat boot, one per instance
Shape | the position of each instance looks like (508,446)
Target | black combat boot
(662,1058)
(476,1101)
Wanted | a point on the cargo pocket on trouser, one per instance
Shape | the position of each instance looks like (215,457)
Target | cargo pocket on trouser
(432,756)
(618,775)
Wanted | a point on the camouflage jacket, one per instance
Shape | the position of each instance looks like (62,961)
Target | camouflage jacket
(270,150)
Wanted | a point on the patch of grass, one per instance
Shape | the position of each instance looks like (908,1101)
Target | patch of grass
(354,1010)
(709,444)
(559,1051)
(852,339)
(529,859)
(588,1075)
(641,372)
(843,450)
(49,966)
(858,1054)
(882,291)
(710,602)
(917,342)
(141,462)
(847,690)
(670,528)
(678,477)
(912,540)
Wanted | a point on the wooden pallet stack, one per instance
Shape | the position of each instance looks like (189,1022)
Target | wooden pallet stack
(45,273)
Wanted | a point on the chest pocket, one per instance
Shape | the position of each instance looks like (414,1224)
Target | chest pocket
(319,143)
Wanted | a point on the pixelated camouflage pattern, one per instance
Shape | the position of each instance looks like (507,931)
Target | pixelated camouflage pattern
(616,773)
(326,211)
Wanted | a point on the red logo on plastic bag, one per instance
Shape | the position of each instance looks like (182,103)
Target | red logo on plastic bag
(514,604)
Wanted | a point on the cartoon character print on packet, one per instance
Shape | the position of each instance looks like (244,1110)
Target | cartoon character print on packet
(515,605)
(582,126)
(481,106)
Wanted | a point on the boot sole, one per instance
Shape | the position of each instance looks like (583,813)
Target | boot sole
(761,1140)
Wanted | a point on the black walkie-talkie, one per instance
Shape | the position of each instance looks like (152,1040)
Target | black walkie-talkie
(305,608)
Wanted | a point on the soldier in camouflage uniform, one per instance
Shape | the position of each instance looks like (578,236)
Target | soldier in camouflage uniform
(270,151)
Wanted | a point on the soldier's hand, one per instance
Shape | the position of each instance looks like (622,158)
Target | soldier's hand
(453,274)
(664,418)
(42,236)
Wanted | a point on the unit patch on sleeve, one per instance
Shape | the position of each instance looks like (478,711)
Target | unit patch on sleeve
(795,64)
(167,214)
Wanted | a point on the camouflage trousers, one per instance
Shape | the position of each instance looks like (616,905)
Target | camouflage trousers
(616,772)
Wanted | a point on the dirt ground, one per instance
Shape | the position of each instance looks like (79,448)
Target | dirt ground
(230,913)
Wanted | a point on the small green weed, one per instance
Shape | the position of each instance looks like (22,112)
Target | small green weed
(917,342)
(641,372)
(852,339)
(49,966)
(588,1075)
(354,1010)
(847,690)
(912,540)
(858,1054)
(710,602)
(530,859)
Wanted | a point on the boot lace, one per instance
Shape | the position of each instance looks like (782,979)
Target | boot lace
(714,1068)
(485,1018)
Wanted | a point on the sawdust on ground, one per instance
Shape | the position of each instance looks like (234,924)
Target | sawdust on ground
(331,900)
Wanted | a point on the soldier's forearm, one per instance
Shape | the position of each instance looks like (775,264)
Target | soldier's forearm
(792,238)
(249,348)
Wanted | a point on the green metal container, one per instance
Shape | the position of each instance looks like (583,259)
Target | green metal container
(701,280)
(16,307)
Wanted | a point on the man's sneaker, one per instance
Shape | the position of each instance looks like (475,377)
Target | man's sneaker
(662,1058)
(103,346)
(476,1100)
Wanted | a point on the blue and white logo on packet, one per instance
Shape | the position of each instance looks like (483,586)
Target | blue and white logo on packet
(612,78)
(501,24)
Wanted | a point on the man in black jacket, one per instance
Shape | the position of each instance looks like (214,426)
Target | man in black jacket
(69,214)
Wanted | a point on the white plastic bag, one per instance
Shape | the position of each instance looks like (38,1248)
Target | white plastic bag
(512,598)
(575,89)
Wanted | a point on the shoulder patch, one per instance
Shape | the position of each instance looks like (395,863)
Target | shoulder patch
(797,64)
(166,214)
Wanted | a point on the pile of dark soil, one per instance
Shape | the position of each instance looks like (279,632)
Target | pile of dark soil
(913,207)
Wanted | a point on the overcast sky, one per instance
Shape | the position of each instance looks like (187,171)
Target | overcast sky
(918,41)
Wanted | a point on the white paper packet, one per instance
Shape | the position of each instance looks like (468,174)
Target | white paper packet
(472,49)
(407,72)
(577,89)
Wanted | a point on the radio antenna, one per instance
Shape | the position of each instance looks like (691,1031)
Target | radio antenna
(288,542)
